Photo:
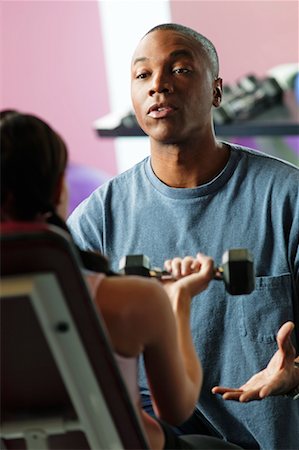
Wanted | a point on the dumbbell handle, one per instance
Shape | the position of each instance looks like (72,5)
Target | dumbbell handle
(236,271)
(156,272)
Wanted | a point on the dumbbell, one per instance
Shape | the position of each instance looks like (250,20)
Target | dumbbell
(247,98)
(236,271)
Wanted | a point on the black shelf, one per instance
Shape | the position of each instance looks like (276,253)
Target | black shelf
(279,120)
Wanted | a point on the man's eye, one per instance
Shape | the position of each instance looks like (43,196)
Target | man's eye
(181,70)
(141,76)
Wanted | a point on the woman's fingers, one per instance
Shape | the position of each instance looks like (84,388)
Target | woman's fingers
(181,267)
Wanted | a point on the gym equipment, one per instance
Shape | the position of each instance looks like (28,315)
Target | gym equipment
(237,270)
(247,98)
(61,387)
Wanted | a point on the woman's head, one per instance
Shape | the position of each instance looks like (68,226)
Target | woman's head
(33,162)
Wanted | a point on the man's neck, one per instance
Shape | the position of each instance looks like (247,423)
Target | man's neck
(181,167)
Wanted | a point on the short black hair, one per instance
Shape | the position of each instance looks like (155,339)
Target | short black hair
(206,44)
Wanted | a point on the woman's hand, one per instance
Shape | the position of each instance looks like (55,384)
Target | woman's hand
(190,275)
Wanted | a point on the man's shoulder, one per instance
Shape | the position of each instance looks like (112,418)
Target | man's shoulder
(136,170)
(117,187)
(264,160)
(125,179)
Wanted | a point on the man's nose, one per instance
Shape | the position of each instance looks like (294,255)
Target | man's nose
(160,84)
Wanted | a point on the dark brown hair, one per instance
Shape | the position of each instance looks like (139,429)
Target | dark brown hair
(33,160)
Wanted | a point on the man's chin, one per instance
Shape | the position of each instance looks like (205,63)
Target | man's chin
(163,135)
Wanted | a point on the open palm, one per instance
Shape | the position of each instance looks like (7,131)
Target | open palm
(279,377)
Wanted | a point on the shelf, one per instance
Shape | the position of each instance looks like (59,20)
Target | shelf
(279,120)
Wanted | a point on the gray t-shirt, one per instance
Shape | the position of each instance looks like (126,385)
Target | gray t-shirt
(253,203)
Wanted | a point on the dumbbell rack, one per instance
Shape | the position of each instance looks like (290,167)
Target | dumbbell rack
(279,120)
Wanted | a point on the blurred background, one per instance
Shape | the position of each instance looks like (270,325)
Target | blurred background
(69,63)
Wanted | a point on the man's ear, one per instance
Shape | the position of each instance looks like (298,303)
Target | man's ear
(217,92)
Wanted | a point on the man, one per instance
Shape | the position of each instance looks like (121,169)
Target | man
(195,193)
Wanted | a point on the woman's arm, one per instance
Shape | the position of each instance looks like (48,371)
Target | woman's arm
(142,318)
(193,276)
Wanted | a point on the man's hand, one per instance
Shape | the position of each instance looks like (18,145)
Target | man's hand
(279,377)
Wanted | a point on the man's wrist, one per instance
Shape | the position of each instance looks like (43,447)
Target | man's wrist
(294,393)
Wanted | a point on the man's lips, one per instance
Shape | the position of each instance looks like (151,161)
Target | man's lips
(159,111)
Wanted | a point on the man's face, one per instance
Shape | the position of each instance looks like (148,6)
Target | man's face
(171,86)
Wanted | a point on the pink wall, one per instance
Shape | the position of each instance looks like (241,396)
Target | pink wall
(249,35)
(52,66)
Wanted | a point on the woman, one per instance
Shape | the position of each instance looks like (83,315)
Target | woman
(33,188)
